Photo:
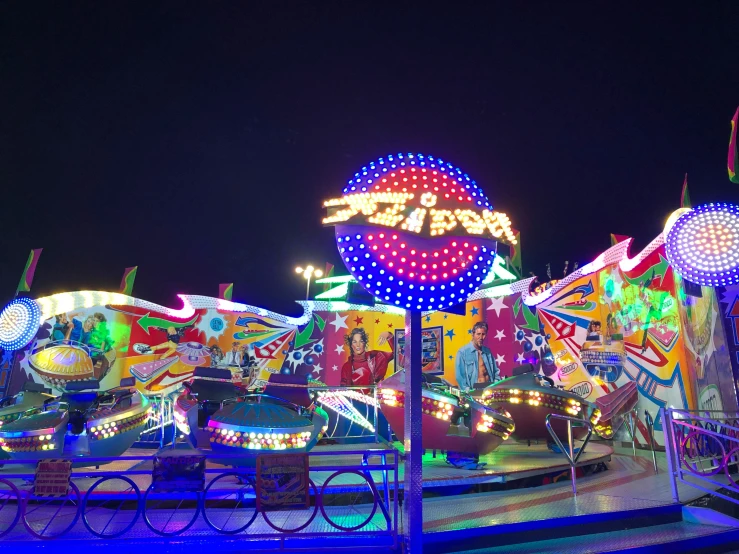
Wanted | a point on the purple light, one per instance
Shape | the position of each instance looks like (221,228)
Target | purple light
(703,245)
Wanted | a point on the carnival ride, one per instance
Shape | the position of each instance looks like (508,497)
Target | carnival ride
(281,416)
(531,397)
(453,421)
(80,423)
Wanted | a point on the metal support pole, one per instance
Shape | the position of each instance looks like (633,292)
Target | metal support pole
(650,429)
(571,446)
(413,490)
(632,430)
(376,422)
(670,451)
(307,288)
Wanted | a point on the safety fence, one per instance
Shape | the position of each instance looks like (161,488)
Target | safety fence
(128,497)
(702,450)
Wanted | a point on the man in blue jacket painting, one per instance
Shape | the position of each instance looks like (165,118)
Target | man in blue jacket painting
(475,365)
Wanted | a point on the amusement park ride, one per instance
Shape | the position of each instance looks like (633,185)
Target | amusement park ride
(421,238)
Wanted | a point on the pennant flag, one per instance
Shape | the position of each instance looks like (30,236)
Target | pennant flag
(27,278)
(515,258)
(226,291)
(733,160)
(615,239)
(328,272)
(129,276)
(685,197)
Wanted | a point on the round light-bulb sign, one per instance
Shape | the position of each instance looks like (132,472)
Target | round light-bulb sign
(702,244)
(19,323)
(416,231)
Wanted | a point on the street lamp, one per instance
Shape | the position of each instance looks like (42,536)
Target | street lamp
(307,273)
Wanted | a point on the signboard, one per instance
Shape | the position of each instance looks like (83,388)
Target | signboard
(282,482)
(52,478)
(176,471)
(432,354)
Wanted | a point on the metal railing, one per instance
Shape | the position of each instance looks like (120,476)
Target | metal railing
(111,503)
(702,449)
(569,452)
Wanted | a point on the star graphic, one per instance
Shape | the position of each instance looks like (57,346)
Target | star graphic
(475,311)
(389,325)
(445,316)
(469,331)
(339,348)
(500,335)
(358,320)
(497,304)
(450,334)
(339,322)
(377,322)
(335,368)
(317,368)
(519,358)
(450,356)
(428,318)
(499,359)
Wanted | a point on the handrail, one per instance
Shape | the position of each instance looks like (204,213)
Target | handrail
(650,428)
(570,453)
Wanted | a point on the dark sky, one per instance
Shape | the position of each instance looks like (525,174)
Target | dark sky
(198,141)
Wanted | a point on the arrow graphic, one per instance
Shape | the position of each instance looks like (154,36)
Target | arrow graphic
(651,274)
(147,321)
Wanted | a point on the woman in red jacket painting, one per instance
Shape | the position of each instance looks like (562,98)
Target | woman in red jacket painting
(365,367)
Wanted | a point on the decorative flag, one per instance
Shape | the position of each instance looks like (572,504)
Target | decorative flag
(129,276)
(733,160)
(515,259)
(685,197)
(328,272)
(226,291)
(27,278)
(615,239)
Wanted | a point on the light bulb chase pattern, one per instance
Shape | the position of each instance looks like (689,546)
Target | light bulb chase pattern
(703,245)
(416,231)
(19,323)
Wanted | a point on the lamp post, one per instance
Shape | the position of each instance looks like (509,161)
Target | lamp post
(307,273)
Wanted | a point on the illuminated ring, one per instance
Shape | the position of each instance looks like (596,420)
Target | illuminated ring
(19,323)
(703,245)
(11,491)
(375,498)
(301,527)
(102,534)
(205,500)
(75,496)
(694,435)
(190,523)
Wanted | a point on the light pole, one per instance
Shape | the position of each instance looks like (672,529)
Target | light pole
(307,273)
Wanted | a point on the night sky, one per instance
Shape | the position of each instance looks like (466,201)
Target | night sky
(197,141)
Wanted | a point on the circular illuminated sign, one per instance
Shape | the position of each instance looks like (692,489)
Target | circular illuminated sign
(703,244)
(19,323)
(416,231)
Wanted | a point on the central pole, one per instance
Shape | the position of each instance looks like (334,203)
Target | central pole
(307,288)
(413,486)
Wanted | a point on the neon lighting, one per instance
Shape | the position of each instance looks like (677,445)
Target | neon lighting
(339,291)
(70,301)
(703,244)
(498,271)
(19,323)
